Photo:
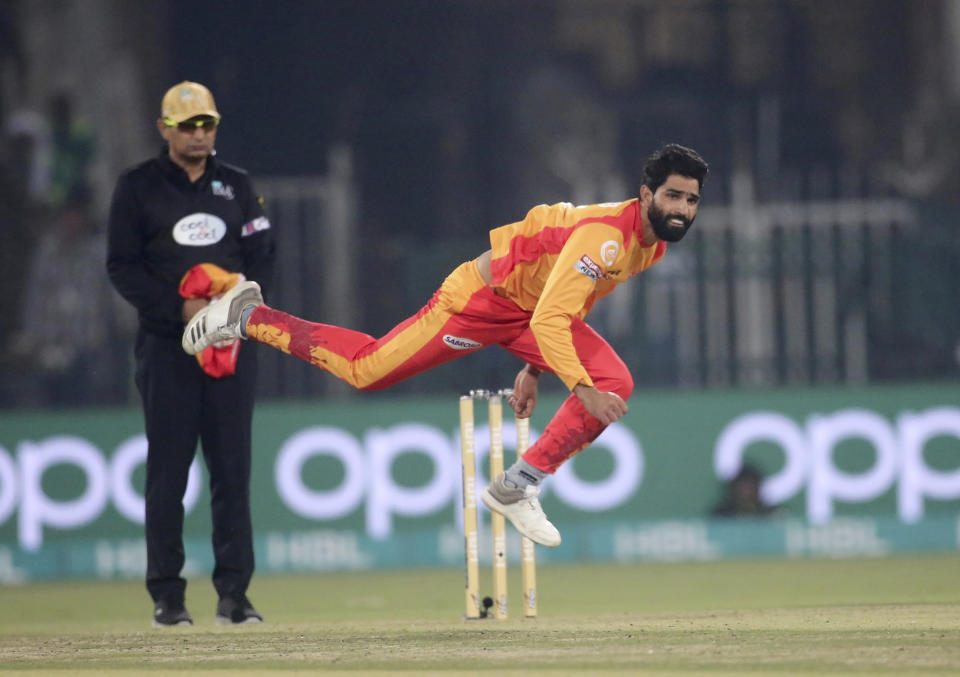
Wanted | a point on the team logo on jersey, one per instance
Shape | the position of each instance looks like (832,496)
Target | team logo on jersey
(609,251)
(459,343)
(255,226)
(199,230)
(587,266)
(221,190)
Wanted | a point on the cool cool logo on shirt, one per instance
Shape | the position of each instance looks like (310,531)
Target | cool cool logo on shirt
(199,230)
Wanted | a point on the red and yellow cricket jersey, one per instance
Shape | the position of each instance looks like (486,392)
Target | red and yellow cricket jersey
(559,260)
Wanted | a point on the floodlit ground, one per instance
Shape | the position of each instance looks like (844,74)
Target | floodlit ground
(805,617)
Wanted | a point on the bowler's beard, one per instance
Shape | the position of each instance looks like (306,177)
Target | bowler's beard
(663,230)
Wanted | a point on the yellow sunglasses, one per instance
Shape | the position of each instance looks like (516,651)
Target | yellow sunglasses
(190,126)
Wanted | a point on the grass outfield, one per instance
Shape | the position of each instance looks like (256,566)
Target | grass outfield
(892,616)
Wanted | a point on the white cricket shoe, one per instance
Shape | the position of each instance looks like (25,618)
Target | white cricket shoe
(523,510)
(220,320)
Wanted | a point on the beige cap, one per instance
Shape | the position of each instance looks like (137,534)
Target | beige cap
(188,100)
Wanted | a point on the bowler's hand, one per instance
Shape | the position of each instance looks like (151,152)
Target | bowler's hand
(605,406)
(190,308)
(525,388)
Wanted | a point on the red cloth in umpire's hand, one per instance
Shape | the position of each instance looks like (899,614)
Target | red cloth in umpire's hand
(210,281)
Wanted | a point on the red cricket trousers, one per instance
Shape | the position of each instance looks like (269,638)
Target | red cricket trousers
(463,316)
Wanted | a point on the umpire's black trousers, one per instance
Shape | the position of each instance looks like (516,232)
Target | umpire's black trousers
(182,405)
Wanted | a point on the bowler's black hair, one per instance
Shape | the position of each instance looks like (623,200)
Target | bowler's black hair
(670,159)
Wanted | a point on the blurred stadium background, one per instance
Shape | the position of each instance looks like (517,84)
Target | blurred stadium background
(818,288)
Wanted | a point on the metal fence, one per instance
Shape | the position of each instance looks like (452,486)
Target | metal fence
(785,294)
(315,278)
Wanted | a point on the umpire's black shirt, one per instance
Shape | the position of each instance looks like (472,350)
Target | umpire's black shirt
(161,225)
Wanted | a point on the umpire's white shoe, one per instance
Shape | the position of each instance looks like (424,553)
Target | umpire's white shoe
(220,320)
(523,510)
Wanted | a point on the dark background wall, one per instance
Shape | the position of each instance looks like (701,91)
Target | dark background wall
(462,114)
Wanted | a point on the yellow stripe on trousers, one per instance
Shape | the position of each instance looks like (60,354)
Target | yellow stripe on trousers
(405,340)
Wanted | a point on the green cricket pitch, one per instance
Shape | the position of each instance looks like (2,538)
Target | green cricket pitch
(891,616)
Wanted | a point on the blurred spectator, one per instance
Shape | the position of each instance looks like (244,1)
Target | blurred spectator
(20,153)
(569,138)
(70,317)
(72,149)
(28,139)
(743,496)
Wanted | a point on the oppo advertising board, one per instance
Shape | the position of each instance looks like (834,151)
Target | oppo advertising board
(372,478)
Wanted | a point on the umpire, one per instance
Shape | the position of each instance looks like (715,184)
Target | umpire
(182,226)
